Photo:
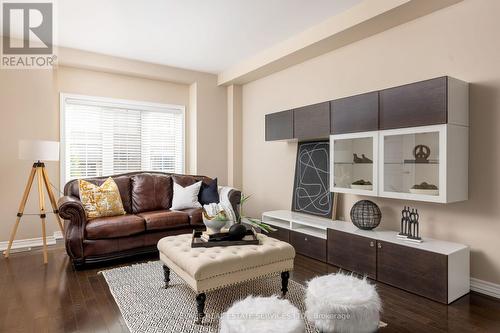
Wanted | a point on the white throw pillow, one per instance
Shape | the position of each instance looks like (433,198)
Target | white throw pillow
(186,197)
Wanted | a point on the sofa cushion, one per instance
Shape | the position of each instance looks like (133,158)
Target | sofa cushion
(194,215)
(209,193)
(115,226)
(101,201)
(186,197)
(123,183)
(151,192)
(164,219)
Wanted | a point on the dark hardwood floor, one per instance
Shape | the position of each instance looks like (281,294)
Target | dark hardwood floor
(56,298)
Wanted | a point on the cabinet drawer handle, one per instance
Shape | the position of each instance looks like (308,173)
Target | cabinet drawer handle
(305,238)
(372,244)
(379,245)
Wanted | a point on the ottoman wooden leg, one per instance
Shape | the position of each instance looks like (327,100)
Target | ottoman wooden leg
(284,282)
(166,273)
(200,306)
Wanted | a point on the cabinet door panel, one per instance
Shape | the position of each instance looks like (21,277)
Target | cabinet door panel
(312,122)
(279,126)
(355,114)
(354,253)
(421,272)
(310,246)
(281,234)
(417,104)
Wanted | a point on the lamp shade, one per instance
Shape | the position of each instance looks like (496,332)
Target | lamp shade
(39,150)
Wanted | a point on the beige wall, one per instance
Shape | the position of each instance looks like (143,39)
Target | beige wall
(29,109)
(460,41)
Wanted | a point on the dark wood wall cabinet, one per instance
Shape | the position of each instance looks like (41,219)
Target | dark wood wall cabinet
(352,252)
(308,245)
(423,103)
(312,122)
(436,270)
(279,126)
(281,233)
(442,100)
(421,272)
(354,114)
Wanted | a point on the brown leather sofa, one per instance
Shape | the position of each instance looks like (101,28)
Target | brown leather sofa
(147,198)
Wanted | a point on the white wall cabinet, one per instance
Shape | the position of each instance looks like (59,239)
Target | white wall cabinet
(354,163)
(425,163)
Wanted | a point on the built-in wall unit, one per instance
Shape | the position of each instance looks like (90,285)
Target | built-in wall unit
(408,142)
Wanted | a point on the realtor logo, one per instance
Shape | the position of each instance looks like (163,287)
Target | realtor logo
(27,30)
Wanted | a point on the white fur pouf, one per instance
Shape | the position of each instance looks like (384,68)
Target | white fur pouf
(262,314)
(343,304)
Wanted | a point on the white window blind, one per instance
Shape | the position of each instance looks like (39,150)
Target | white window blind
(105,137)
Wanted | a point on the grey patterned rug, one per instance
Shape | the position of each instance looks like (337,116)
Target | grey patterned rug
(148,307)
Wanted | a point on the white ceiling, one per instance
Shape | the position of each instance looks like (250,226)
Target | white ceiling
(205,35)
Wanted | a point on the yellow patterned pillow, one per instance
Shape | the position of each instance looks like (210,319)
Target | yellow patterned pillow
(101,201)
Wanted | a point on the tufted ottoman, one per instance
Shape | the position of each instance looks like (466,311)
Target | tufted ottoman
(206,269)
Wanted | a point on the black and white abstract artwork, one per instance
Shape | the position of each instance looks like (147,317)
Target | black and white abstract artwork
(311,192)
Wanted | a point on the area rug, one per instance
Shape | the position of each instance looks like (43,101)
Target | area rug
(148,307)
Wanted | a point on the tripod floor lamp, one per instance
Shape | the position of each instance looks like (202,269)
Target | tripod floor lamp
(37,151)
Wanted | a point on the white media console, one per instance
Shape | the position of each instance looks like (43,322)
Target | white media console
(436,269)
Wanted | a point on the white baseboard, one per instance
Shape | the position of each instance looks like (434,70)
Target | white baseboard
(31,242)
(485,287)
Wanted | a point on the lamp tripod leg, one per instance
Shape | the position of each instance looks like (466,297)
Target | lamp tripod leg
(20,211)
(41,201)
(52,198)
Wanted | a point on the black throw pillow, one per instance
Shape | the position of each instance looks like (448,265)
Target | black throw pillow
(209,193)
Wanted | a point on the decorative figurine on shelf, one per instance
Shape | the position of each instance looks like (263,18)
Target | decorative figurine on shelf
(362,159)
(405,217)
(366,159)
(421,153)
(410,230)
(357,159)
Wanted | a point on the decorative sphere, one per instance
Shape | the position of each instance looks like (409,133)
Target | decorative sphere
(237,231)
(365,215)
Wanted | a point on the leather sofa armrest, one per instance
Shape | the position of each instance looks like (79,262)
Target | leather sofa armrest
(71,209)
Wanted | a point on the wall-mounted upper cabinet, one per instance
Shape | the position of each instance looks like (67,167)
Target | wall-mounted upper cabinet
(355,114)
(439,101)
(442,100)
(312,121)
(279,126)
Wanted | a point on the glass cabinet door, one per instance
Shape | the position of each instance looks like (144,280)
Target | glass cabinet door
(411,165)
(354,163)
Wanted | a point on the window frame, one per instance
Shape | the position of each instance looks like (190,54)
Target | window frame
(114,103)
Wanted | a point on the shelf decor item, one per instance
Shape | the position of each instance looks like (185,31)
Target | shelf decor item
(214,218)
(38,151)
(363,159)
(410,225)
(362,185)
(421,153)
(425,189)
(366,215)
